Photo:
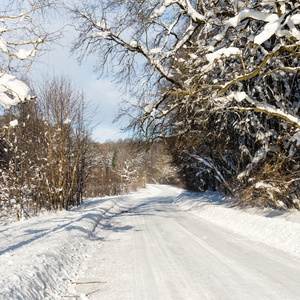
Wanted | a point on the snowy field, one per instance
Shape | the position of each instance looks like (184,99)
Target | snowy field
(44,257)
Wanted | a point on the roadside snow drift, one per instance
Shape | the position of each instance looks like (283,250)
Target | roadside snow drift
(40,257)
(275,228)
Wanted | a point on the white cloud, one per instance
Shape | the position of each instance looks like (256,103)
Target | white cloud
(105,96)
(103,134)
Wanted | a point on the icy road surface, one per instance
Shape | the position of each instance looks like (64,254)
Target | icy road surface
(149,248)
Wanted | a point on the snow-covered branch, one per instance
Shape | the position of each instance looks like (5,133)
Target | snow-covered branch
(207,68)
(21,35)
(105,32)
(210,165)
(262,107)
(12,91)
(186,7)
(274,24)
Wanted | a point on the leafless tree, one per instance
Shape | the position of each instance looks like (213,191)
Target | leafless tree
(22,36)
(63,109)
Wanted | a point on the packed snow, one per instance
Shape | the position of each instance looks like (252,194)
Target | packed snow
(43,257)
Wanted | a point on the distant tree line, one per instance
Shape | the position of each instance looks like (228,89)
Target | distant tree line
(123,166)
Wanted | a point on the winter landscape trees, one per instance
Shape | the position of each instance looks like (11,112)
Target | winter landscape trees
(218,80)
(123,166)
(22,33)
(48,160)
(45,153)
(47,157)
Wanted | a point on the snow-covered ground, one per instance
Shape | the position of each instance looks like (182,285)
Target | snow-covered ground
(40,257)
(43,257)
(276,228)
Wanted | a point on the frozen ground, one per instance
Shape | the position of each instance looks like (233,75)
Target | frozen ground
(40,257)
(158,243)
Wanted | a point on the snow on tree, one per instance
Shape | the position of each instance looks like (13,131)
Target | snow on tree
(44,153)
(218,79)
(124,166)
(243,49)
(12,91)
(21,35)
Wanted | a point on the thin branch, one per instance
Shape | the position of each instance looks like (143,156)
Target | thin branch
(258,70)
(87,282)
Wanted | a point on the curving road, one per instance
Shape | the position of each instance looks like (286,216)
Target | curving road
(148,248)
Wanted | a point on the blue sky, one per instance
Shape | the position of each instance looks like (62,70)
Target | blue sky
(103,94)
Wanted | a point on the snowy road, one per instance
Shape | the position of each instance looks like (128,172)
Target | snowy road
(149,248)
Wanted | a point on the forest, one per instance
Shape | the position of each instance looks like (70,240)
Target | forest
(214,102)
(49,161)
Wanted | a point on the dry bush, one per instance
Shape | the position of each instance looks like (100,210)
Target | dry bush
(276,184)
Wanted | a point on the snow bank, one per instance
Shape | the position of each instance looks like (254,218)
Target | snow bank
(40,257)
(278,229)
